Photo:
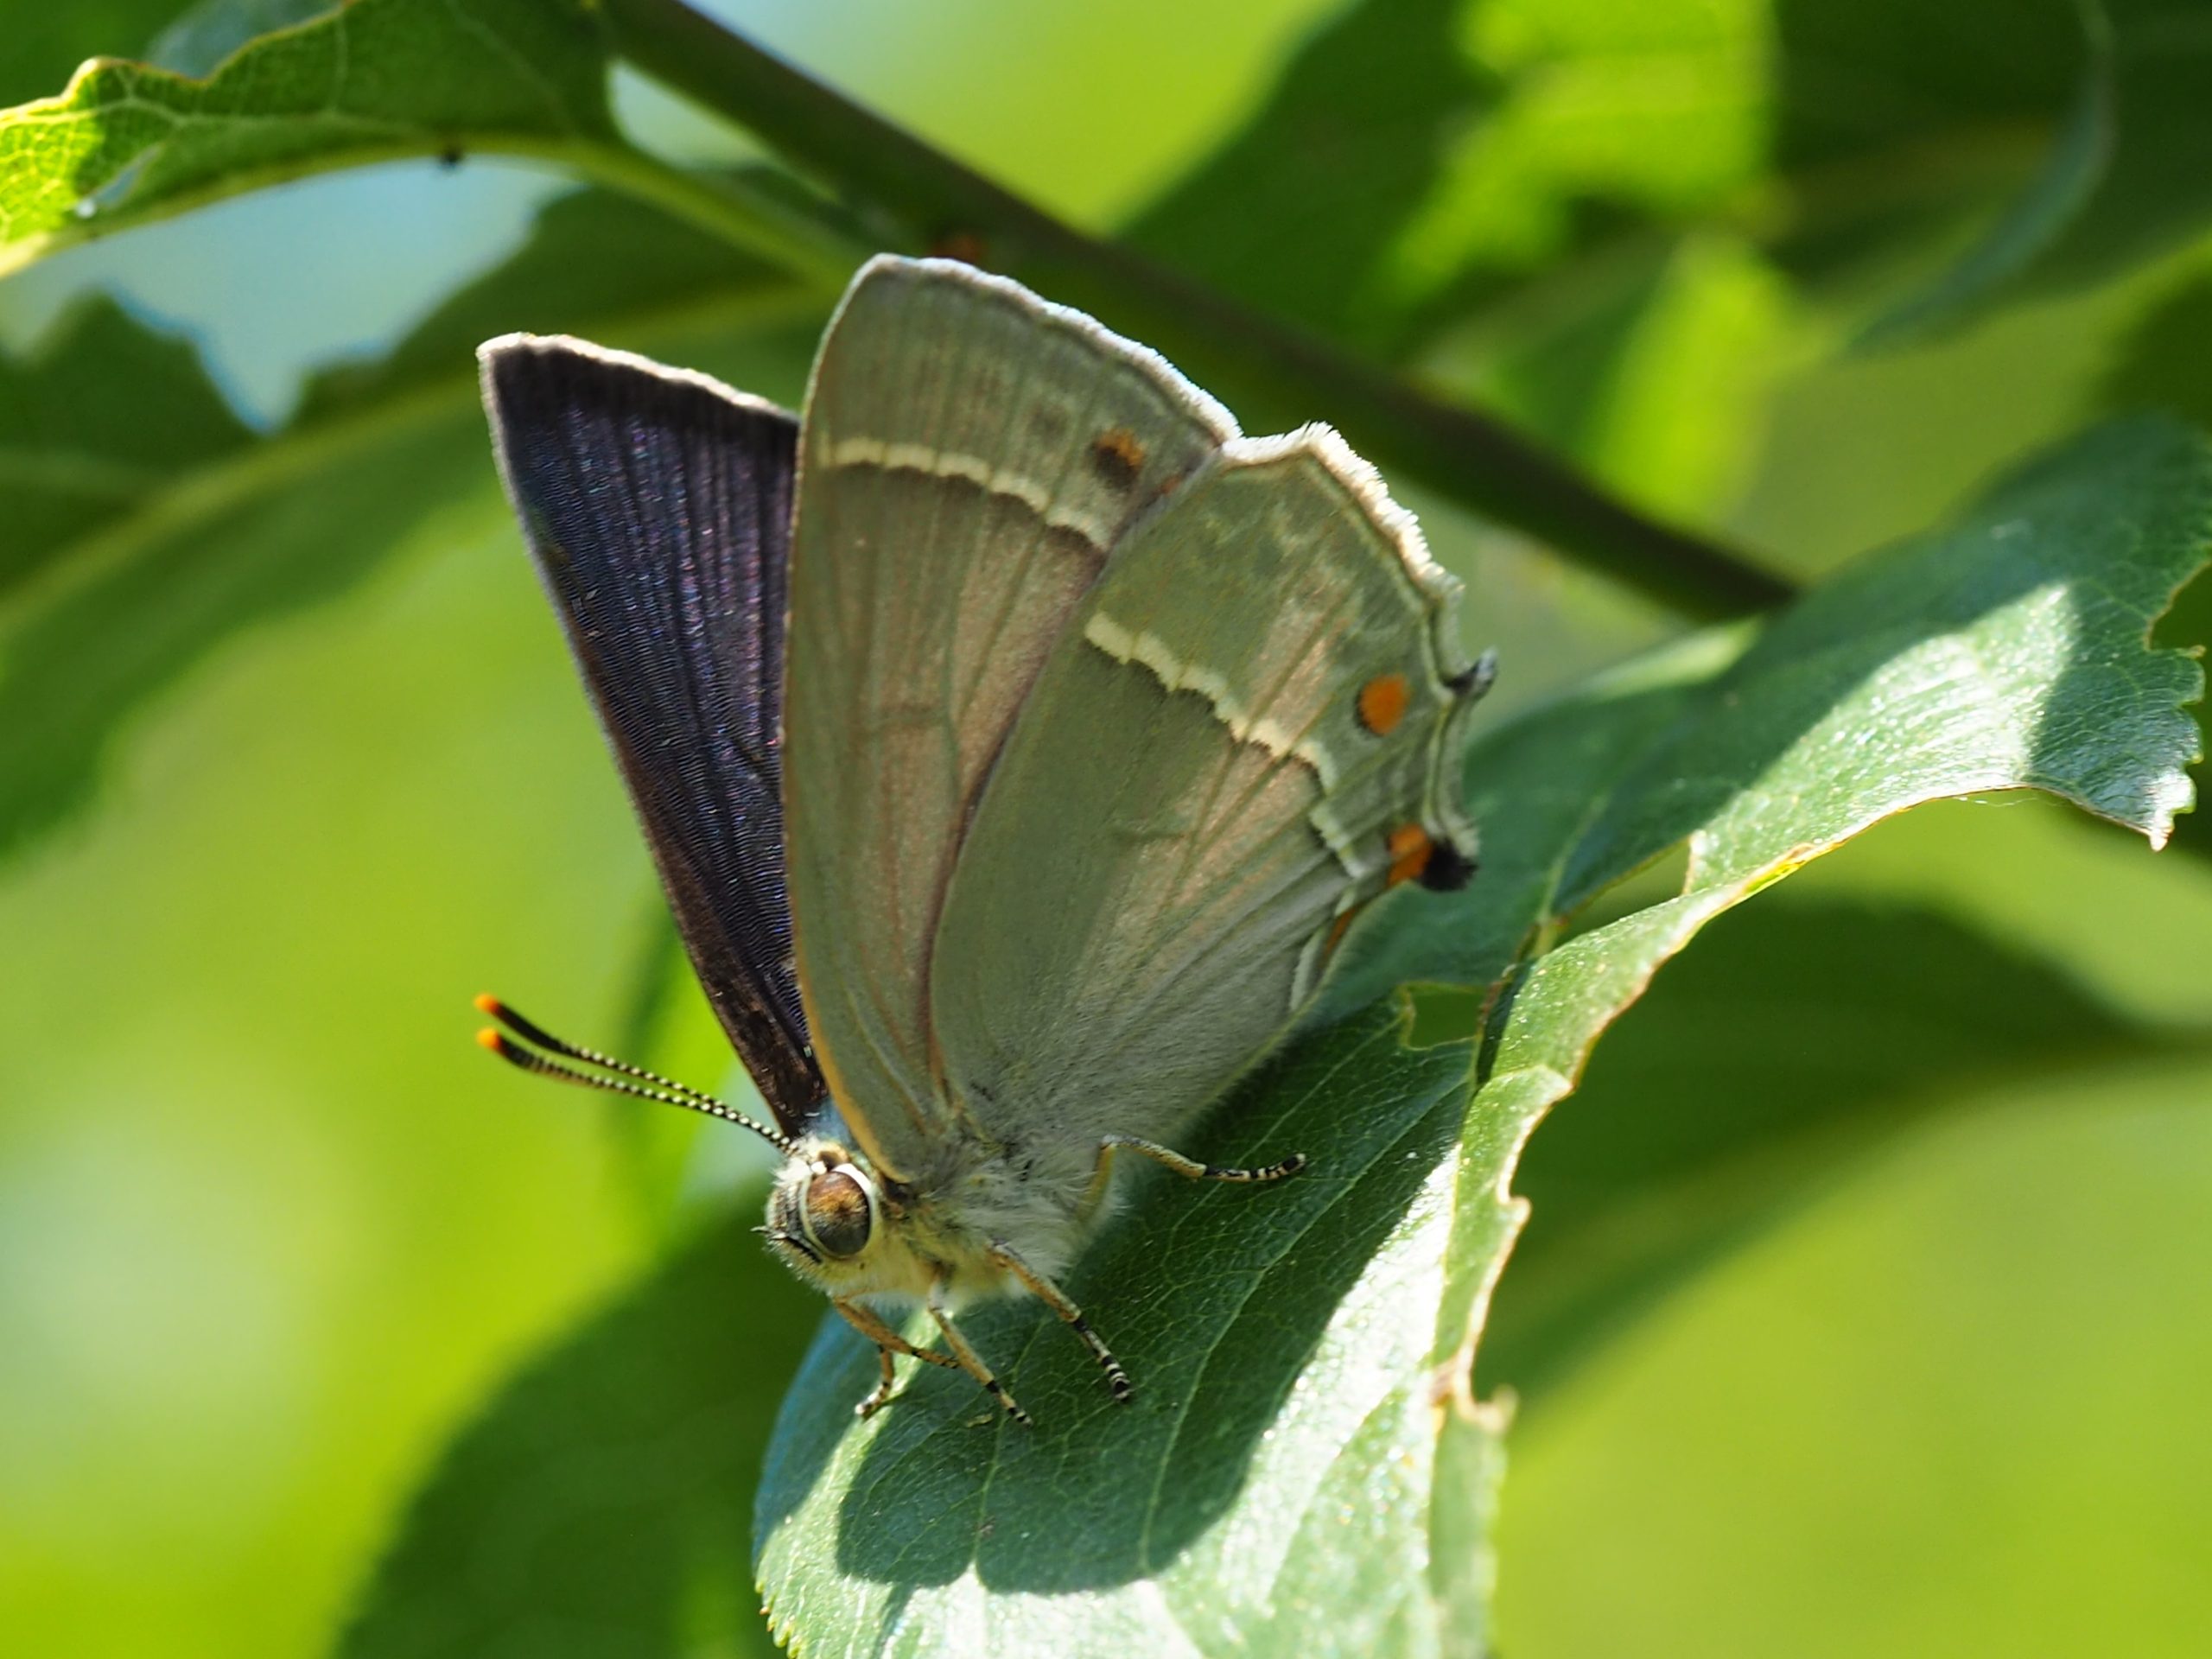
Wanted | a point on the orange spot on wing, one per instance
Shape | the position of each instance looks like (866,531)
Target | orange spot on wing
(1338,928)
(1410,849)
(1383,703)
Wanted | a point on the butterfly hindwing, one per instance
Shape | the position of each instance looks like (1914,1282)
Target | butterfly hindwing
(971,456)
(657,505)
(1250,730)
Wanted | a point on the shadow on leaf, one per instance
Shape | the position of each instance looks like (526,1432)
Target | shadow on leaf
(1217,1300)
(599,1500)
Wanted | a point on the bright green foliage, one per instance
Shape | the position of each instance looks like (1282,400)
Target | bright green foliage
(2166,363)
(1281,1391)
(1538,148)
(372,81)
(1290,1365)
(1620,223)
(1306,1340)
(1794,1037)
(135,475)
(1299,209)
(105,418)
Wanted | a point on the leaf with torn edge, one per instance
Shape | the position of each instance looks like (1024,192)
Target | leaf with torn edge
(1306,1429)
(375,81)
(1796,1040)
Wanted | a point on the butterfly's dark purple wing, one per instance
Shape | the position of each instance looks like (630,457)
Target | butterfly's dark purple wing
(658,506)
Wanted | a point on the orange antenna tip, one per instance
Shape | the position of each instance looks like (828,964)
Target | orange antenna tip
(488,1004)
(491,1039)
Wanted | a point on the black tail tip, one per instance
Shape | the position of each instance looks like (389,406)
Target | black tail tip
(1448,869)
(1475,679)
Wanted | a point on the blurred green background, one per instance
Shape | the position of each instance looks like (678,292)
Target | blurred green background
(271,1227)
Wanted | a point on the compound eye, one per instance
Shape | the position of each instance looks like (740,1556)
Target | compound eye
(838,1219)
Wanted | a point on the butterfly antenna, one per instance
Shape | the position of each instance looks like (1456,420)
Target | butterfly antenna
(632,1080)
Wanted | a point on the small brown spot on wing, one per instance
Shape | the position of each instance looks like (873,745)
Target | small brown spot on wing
(1383,703)
(964,245)
(1118,457)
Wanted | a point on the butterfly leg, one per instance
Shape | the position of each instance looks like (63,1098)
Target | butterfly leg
(888,1342)
(968,1360)
(1055,1298)
(880,1395)
(1189,1168)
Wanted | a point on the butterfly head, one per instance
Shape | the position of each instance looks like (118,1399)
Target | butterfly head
(830,1220)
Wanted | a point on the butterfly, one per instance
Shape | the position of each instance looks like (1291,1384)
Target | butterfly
(1016,742)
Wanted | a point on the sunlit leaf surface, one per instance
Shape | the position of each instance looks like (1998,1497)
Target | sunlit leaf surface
(1611,222)
(379,79)
(1306,1351)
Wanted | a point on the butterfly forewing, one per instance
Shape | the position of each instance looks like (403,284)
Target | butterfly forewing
(657,507)
(1248,732)
(971,456)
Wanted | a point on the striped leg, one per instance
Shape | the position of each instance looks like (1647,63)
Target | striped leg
(968,1360)
(888,1342)
(1189,1168)
(1055,1298)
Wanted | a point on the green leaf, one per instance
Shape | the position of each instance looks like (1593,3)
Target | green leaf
(1608,130)
(103,420)
(1294,214)
(200,37)
(2006,652)
(153,542)
(1306,1354)
(44,43)
(1268,1489)
(1891,76)
(1656,380)
(1413,162)
(2165,364)
(2125,172)
(1414,167)
(1795,1039)
(596,1508)
(2157,189)
(2189,626)
(2011,651)
(370,81)
(2032,223)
